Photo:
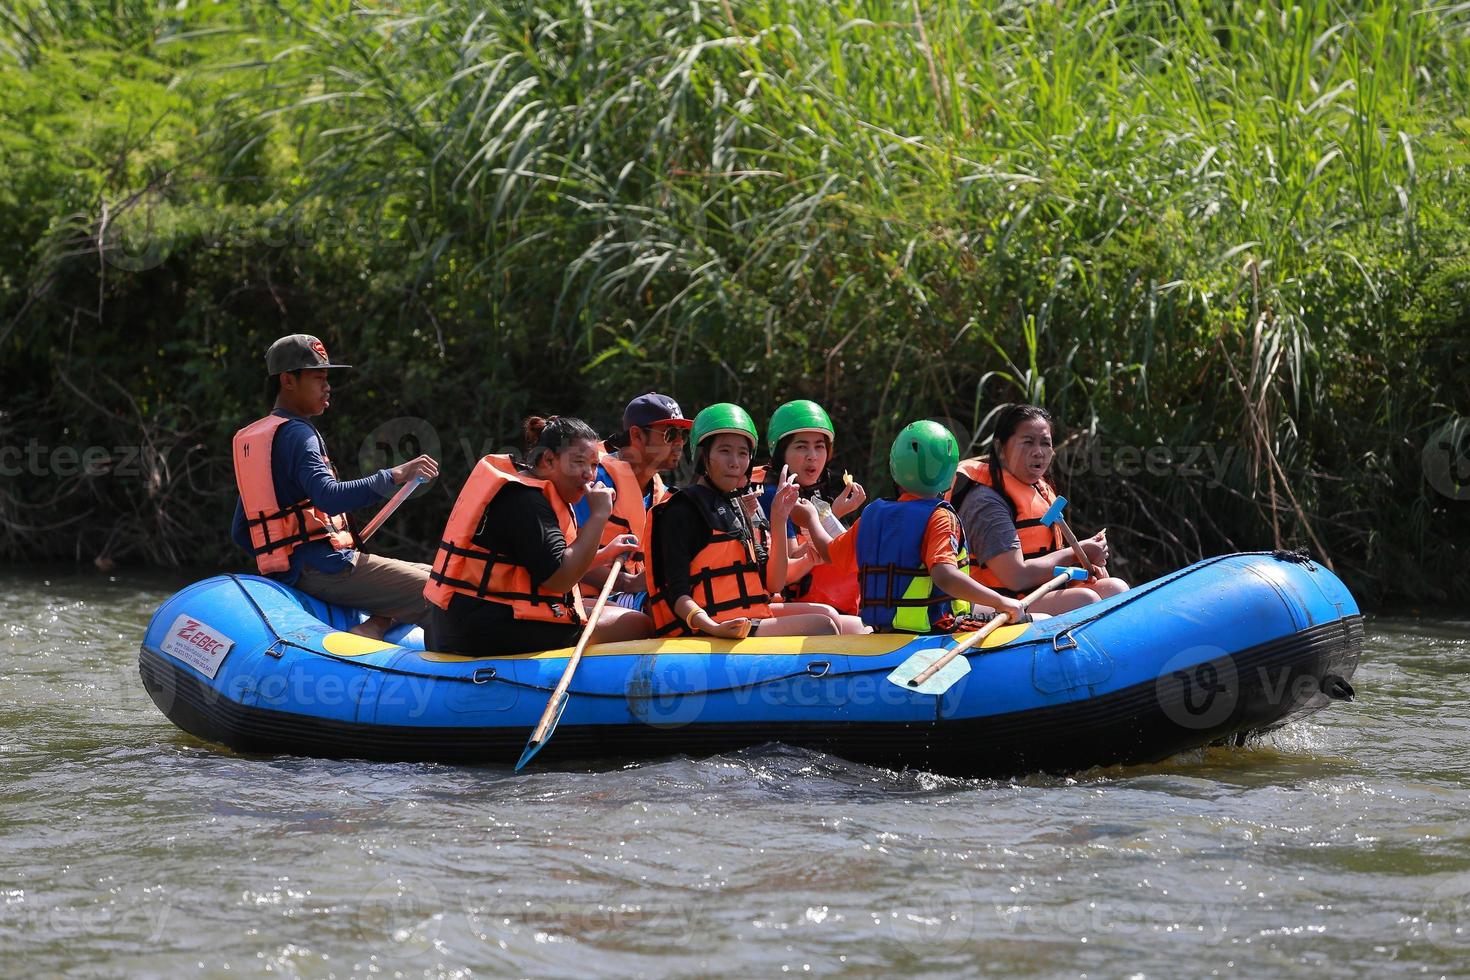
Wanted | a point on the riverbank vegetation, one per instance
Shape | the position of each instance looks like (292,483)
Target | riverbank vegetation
(1228,244)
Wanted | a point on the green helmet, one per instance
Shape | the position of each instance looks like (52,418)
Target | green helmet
(723,417)
(798,416)
(923,458)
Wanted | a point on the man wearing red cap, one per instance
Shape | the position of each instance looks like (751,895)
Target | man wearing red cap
(292,511)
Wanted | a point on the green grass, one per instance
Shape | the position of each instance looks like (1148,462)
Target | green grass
(1231,225)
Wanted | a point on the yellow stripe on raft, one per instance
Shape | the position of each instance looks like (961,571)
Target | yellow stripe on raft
(869,645)
(351,645)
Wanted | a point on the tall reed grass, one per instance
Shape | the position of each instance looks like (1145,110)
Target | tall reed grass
(1181,225)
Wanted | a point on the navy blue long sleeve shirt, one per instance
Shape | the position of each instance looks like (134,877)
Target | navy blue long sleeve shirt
(302,470)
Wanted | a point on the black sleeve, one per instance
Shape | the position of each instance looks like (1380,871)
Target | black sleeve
(763,557)
(679,533)
(520,523)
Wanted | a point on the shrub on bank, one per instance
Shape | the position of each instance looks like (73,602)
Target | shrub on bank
(1229,233)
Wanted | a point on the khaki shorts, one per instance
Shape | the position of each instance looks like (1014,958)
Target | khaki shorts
(377,585)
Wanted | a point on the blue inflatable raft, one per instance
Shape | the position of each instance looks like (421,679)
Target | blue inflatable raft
(1227,647)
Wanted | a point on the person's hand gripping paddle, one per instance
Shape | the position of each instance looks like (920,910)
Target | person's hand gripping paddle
(1052,516)
(936,671)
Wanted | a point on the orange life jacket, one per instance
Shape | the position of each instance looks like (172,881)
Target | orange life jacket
(836,586)
(628,513)
(276,531)
(463,567)
(826,583)
(724,577)
(1031,500)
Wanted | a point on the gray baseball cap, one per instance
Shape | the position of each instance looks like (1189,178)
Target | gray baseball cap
(298,352)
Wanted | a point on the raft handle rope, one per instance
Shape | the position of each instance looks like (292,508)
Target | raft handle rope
(281,641)
(1058,644)
(277,645)
(485,675)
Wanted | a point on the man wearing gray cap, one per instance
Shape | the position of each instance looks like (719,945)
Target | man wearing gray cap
(292,511)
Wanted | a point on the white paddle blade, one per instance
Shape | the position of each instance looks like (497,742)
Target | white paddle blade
(905,673)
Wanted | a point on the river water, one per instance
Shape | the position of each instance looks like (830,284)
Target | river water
(129,848)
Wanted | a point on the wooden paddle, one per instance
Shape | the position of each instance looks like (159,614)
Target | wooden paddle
(558,702)
(914,673)
(1052,516)
(388,508)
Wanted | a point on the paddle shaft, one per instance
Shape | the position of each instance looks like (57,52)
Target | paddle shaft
(1076,546)
(389,508)
(548,717)
(995,623)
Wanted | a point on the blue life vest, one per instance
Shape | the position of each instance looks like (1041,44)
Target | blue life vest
(897,592)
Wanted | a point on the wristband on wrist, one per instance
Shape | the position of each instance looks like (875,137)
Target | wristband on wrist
(689,619)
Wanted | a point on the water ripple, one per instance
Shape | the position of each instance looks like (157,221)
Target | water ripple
(128,847)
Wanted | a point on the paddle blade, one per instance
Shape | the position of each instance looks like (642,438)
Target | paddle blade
(1054,512)
(907,672)
(535,744)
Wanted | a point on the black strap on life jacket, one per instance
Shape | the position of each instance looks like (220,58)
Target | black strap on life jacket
(962,487)
(303,534)
(890,574)
(726,520)
(481,589)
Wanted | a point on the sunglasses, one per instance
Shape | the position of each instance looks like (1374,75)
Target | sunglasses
(670,433)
